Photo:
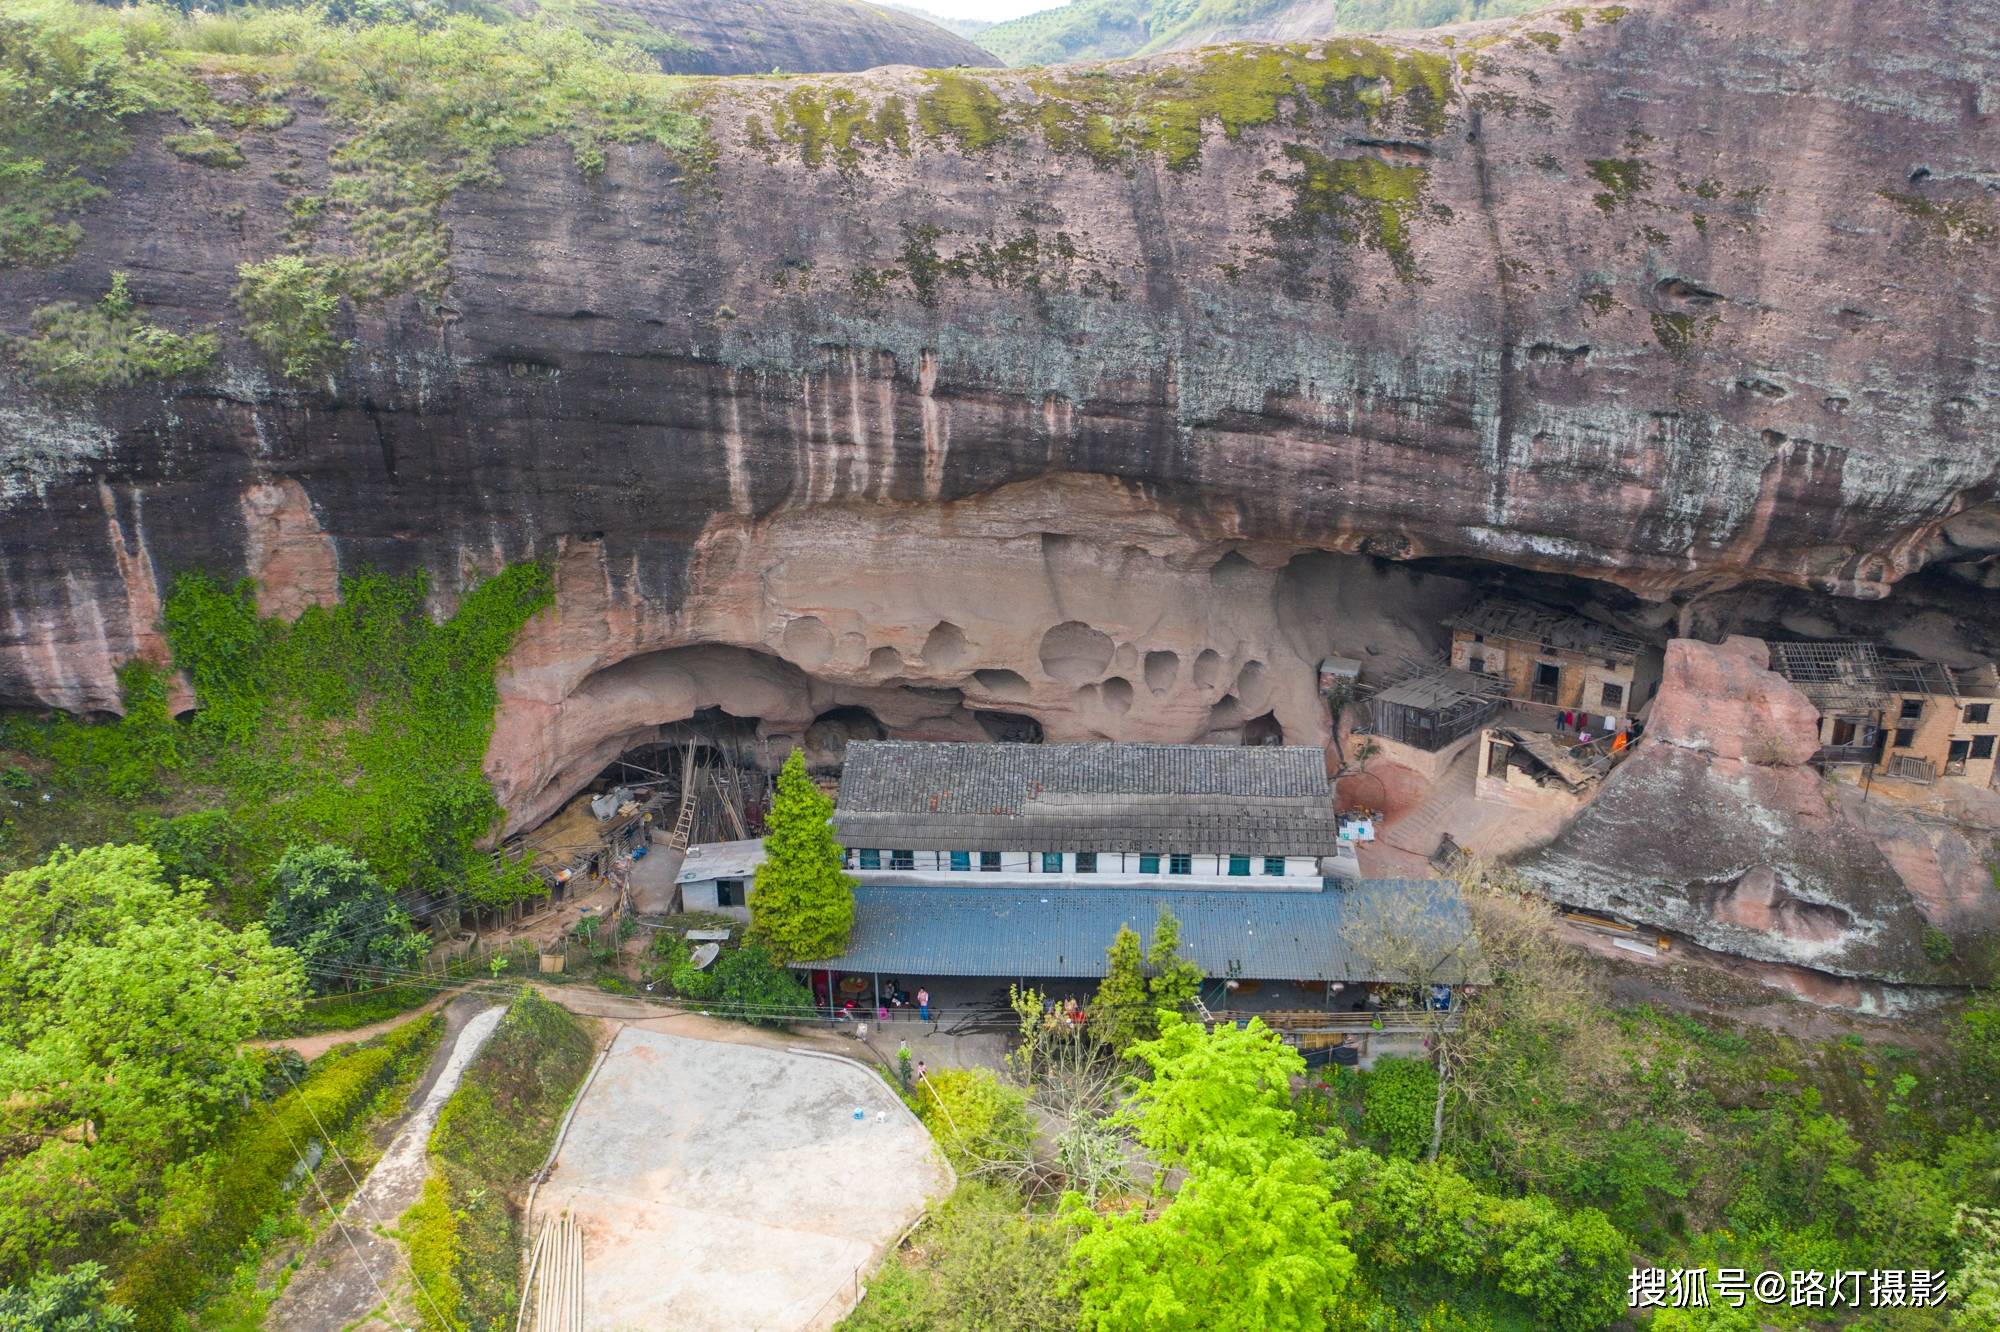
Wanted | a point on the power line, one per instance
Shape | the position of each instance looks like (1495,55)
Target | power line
(348,1170)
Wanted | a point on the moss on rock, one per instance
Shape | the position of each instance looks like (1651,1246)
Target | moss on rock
(1112,119)
(1354,200)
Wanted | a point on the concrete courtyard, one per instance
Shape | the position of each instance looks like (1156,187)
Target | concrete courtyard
(730,1188)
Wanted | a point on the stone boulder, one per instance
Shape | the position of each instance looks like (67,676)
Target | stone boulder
(1718,830)
(1726,701)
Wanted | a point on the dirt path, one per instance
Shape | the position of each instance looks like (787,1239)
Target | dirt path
(312,1047)
(353,1270)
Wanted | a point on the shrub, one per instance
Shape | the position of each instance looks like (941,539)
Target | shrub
(1398,1100)
(68,1301)
(750,985)
(106,345)
(205,147)
(491,1135)
(1568,1267)
(981,1123)
(1937,944)
(214,1202)
(289,305)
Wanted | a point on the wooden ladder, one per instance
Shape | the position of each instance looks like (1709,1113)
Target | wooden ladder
(684,821)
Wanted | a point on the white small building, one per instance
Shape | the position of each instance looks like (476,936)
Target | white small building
(717,876)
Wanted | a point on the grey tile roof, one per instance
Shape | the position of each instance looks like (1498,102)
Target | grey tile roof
(917,932)
(1197,799)
(938,778)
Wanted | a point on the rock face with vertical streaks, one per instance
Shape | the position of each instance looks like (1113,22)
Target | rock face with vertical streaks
(920,369)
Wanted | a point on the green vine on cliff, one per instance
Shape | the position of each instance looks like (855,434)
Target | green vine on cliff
(362,723)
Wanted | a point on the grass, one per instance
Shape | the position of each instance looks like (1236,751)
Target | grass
(422,107)
(466,1235)
(228,1198)
(106,345)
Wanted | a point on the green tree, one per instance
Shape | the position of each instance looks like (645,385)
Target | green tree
(752,985)
(1173,981)
(1254,1236)
(1261,1250)
(122,1016)
(69,1301)
(803,906)
(1121,1014)
(329,908)
(1222,1093)
(981,1123)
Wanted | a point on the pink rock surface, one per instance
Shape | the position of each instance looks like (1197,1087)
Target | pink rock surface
(1724,700)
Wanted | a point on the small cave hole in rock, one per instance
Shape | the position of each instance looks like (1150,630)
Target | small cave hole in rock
(1680,289)
(1117,696)
(827,738)
(1004,684)
(808,642)
(1263,730)
(1207,668)
(946,649)
(1073,653)
(1161,669)
(1549,353)
(1252,682)
(885,661)
(1009,727)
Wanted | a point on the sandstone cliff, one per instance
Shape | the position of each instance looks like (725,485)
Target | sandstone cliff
(1099,373)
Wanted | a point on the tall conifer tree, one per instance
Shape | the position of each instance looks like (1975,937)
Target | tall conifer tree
(803,906)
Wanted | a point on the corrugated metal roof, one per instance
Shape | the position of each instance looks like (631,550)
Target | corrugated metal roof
(941,778)
(950,931)
(722,860)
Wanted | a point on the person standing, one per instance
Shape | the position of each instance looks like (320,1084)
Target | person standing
(923,1003)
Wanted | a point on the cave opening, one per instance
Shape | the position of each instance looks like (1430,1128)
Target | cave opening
(1009,727)
(1263,730)
(826,740)
(722,754)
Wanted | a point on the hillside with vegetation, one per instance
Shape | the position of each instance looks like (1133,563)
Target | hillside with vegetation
(1107,29)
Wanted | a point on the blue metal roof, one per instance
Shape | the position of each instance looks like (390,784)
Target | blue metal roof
(1262,935)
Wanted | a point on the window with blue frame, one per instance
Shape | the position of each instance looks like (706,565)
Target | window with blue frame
(1052,862)
(1086,862)
(1149,864)
(961,860)
(989,861)
(902,860)
(1180,864)
(871,860)
(1239,866)
(1274,865)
